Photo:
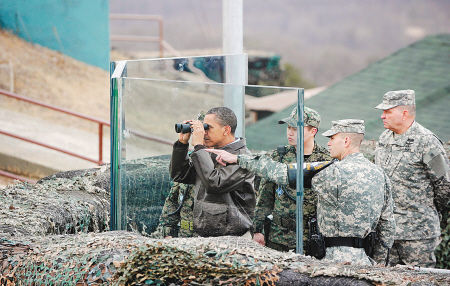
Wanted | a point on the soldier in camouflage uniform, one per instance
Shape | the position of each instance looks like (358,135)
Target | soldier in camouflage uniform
(176,219)
(354,198)
(416,163)
(279,200)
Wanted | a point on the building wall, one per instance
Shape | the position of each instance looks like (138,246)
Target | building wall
(77,28)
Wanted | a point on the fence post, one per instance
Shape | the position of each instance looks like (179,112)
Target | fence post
(100,143)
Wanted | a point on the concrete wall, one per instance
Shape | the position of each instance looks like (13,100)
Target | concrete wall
(77,28)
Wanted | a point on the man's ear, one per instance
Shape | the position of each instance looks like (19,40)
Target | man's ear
(315,130)
(227,130)
(405,114)
(347,141)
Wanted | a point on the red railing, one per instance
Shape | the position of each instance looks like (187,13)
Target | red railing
(16,177)
(52,107)
(100,123)
(135,38)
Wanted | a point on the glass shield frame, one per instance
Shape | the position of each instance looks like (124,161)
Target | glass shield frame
(129,97)
(211,68)
(299,187)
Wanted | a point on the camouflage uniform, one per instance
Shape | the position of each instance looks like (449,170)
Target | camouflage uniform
(278,199)
(177,223)
(354,198)
(263,166)
(274,199)
(418,168)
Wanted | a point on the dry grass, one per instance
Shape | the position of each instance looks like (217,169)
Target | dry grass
(51,77)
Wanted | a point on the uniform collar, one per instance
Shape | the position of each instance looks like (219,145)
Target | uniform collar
(405,138)
(353,155)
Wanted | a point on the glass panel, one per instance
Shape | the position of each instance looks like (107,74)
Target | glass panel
(194,69)
(264,107)
(149,111)
(143,116)
(152,107)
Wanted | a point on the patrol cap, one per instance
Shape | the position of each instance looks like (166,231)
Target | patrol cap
(310,118)
(345,126)
(397,97)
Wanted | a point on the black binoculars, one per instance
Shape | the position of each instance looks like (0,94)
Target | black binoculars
(186,127)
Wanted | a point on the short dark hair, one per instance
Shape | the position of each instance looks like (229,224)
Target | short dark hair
(356,138)
(225,116)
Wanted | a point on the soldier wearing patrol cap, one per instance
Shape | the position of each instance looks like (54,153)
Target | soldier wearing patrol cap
(354,199)
(415,161)
(277,199)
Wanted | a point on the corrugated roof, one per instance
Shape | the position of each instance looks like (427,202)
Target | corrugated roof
(423,66)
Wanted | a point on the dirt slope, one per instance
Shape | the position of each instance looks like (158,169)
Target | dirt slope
(53,78)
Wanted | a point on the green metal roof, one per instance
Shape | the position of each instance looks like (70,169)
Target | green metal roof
(423,66)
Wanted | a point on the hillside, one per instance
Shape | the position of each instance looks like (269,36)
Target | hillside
(51,77)
(326,39)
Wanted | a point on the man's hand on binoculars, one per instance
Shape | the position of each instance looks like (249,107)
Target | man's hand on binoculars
(198,132)
(184,137)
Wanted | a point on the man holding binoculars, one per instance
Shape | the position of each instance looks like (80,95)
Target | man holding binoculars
(224,198)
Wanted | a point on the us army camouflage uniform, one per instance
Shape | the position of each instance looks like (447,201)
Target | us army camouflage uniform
(173,223)
(354,198)
(274,199)
(418,167)
(264,166)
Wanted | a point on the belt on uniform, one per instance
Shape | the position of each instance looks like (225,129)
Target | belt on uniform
(187,225)
(355,242)
(285,222)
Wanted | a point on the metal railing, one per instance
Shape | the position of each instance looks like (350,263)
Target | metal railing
(16,177)
(100,123)
(136,38)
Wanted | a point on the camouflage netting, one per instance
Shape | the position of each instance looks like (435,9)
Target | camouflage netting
(76,205)
(147,184)
(124,258)
(79,201)
(54,206)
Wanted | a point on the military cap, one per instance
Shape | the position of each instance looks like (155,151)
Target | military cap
(345,126)
(310,118)
(397,97)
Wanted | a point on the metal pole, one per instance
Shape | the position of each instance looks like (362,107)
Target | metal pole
(100,143)
(113,143)
(116,73)
(299,194)
(232,26)
(235,67)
